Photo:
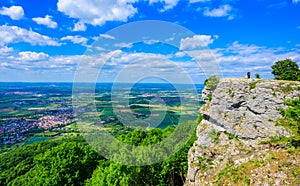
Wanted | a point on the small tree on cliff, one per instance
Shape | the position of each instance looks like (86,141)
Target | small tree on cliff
(286,70)
(212,82)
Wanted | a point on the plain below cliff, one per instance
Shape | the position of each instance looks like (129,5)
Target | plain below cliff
(234,139)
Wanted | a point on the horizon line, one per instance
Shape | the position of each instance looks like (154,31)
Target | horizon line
(96,82)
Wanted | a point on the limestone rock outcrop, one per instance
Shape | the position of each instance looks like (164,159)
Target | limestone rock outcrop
(237,116)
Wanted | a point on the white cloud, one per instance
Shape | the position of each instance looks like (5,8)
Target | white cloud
(98,12)
(123,45)
(151,41)
(4,64)
(222,11)
(14,12)
(199,1)
(244,49)
(202,55)
(14,34)
(79,26)
(5,50)
(296,1)
(239,58)
(129,67)
(46,63)
(169,39)
(32,56)
(76,39)
(47,21)
(168,4)
(107,36)
(63,63)
(196,41)
(236,59)
(180,54)
(100,48)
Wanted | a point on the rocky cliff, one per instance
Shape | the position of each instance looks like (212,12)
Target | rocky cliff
(238,115)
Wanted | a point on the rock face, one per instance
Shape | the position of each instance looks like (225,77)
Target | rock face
(237,115)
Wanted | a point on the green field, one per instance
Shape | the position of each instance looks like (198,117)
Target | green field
(36,139)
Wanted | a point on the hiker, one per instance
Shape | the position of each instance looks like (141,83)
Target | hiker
(248,75)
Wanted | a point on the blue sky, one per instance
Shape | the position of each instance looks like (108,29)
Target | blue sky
(50,40)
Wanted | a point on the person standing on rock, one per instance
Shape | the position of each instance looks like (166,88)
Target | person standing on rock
(248,75)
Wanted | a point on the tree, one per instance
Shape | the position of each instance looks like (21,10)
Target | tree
(212,82)
(257,76)
(18,161)
(286,70)
(172,171)
(70,163)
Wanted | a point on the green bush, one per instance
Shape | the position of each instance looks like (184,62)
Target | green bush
(252,85)
(291,120)
(257,76)
(212,82)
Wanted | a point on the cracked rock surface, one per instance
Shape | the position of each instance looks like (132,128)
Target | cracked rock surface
(248,107)
(244,108)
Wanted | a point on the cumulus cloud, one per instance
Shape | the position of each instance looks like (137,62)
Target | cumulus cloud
(25,61)
(107,36)
(14,34)
(14,12)
(238,58)
(196,41)
(202,55)
(76,39)
(47,21)
(222,11)
(151,41)
(127,57)
(5,50)
(31,66)
(233,60)
(79,26)
(167,4)
(4,64)
(98,12)
(127,66)
(123,45)
(199,1)
(32,56)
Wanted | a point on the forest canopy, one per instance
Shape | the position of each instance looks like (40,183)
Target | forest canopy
(71,161)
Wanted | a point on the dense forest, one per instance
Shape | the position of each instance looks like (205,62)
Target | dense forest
(72,161)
